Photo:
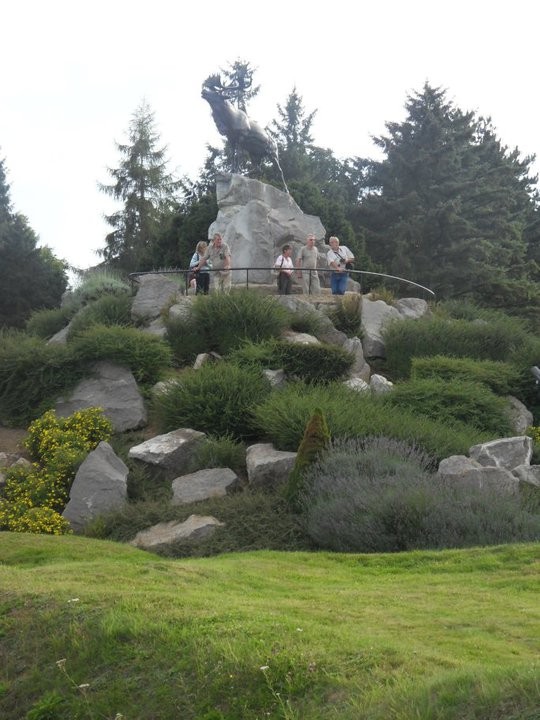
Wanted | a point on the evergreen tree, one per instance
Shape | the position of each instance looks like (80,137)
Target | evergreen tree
(292,133)
(449,204)
(147,191)
(31,278)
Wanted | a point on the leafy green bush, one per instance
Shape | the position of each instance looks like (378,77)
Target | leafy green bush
(46,323)
(32,375)
(500,377)
(283,415)
(453,400)
(216,399)
(108,310)
(376,495)
(312,363)
(429,336)
(145,355)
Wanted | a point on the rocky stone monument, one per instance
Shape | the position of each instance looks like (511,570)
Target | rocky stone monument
(255,219)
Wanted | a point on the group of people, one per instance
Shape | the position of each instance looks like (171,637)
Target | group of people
(216,256)
(339,258)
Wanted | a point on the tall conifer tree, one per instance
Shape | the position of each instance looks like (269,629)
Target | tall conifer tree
(147,191)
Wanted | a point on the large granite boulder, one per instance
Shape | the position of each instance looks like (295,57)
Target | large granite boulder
(376,314)
(268,467)
(255,220)
(100,485)
(171,452)
(155,293)
(112,388)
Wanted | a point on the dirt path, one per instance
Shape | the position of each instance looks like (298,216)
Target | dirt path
(11,440)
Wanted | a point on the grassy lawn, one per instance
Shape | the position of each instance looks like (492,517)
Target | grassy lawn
(450,634)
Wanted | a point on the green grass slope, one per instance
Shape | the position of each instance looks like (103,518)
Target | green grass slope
(93,629)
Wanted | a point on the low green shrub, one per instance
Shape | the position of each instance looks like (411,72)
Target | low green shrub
(46,323)
(220,451)
(108,310)
(226,320)
(523,359)
(430,336)
(346,314)
(145,355)
(311,363)
(96,283)
(453,400)
(500,377)
(305,321)
(376,495)
(253,520)
(283,415)
(185,339)
(216,399)
(32,375)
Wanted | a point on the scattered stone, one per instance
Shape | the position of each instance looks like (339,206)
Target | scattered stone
(506,453)
(204,484)
(170,452)
(268,467)
(196,527)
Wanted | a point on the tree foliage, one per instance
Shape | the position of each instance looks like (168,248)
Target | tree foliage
(31,277)
(449,205)
(147,191)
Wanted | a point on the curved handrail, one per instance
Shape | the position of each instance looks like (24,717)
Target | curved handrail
(355,274)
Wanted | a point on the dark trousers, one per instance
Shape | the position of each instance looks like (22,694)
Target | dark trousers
(284,283)
(203,283)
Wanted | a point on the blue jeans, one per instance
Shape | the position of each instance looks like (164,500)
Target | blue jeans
(338,282)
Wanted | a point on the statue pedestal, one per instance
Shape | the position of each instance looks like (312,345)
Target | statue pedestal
(256,220)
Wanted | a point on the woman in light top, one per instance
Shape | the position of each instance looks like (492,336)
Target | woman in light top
(284,266)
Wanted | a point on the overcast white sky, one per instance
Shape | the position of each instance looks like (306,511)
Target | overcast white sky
(74,72)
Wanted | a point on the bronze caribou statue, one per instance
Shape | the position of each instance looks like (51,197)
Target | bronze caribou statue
(234,124)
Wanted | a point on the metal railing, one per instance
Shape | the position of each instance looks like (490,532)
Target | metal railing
(265,276)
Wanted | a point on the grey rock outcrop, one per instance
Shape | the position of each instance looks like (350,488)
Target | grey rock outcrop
(360,368)
(100,485)
(155,293)
(506,453)
(266,466)
(501,464)
(412,307)
(379,384)
(376,314)
(170,452)
(204,484)
(114,389)
(196,527)
(255,220)
(520,417)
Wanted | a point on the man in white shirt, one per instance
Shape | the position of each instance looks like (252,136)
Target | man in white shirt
(338,257)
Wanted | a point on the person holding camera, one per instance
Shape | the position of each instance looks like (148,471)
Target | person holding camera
(340,259)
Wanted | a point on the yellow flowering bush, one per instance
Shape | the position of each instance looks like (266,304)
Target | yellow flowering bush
(534,432)
(34,497)
(37,520)
(83,430)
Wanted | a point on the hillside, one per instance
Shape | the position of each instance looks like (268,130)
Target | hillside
(93,629)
